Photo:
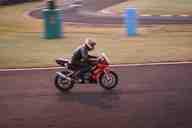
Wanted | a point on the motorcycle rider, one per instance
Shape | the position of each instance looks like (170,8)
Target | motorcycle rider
(81,60)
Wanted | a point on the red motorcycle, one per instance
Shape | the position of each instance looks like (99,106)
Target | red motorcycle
(100,74)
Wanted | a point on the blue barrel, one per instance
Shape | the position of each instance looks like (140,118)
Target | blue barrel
(131,21)
(52,23)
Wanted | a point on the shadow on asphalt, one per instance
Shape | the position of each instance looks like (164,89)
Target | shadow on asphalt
(106,100)
(110,100)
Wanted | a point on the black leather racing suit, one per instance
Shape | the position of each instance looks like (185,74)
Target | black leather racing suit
(80,60)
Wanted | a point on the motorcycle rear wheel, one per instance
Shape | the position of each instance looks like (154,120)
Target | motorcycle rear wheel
(108,83)
(63,84)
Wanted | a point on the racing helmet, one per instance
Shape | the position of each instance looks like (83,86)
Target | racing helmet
(90,43)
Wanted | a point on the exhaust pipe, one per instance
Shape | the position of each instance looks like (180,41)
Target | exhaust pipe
(63,76)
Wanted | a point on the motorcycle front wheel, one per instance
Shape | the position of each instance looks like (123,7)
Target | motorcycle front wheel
(108,80)
(63,84)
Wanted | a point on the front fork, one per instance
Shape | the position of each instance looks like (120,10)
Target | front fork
(106,71)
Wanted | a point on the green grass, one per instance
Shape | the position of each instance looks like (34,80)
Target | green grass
(22,45)
(156,7)
(156,44)
(12,19)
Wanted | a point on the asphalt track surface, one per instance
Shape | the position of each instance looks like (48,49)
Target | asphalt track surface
(87,14)
(150,96)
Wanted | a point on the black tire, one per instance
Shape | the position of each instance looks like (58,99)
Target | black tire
(114,78)
(63,87)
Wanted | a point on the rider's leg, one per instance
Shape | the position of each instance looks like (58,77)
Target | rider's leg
(84,69)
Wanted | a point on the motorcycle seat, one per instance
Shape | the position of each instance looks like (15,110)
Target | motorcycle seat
(62,61)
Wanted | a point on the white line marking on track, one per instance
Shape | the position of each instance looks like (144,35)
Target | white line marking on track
(166,15)
(146,15)
(29,69)
(184,15)
(151,64)
(119,65)
(106,11)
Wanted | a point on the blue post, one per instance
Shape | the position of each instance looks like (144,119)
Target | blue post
(131,21)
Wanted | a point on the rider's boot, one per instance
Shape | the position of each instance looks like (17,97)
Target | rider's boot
(76,76)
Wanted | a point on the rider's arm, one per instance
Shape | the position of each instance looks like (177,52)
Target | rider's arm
(92,60)
(92,57)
